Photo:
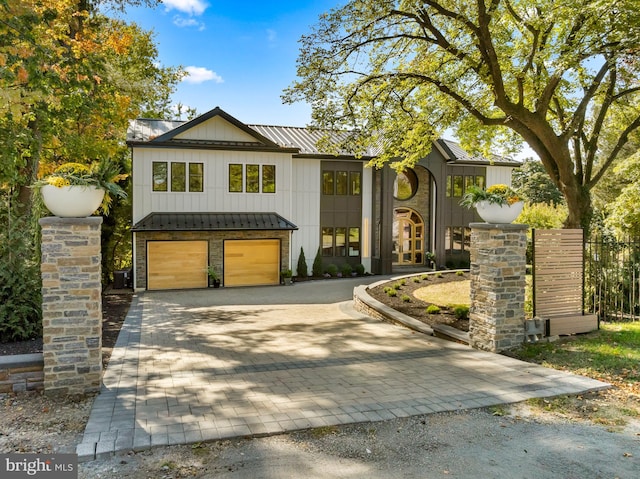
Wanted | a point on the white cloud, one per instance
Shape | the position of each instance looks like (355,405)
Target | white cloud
(191,7)
(183,22)
(198,75)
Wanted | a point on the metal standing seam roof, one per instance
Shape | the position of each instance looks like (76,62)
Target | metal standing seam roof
(213,222)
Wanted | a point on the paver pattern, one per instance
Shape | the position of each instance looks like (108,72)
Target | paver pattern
(191,367)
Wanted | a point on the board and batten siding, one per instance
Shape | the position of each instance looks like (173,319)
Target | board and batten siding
(216,196)
(216,129)
(498,175)
(305,205)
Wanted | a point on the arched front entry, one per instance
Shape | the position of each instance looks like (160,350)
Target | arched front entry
(408,237)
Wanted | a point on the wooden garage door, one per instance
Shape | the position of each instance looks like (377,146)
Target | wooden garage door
(177,264)
(251,262)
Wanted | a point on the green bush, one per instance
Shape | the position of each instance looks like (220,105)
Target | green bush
(425,277)
(416,279)
(346,270)
(406,298)
(433,309)
(332,269)
(317,268)
(397,286)
(459,273)
(392,292)
(360,269)
(20,283)
(302,265)
(460,311)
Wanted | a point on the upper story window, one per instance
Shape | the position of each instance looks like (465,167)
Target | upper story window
(252,178)
(180,178)
(341,183)
(405,185)
(457,185)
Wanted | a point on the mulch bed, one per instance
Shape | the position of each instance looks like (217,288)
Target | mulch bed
(417,308)
(114,310)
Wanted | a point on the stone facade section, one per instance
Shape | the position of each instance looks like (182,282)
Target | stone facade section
(21,372)
(498,269)
(71,304)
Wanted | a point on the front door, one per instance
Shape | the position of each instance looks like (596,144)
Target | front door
(408,237)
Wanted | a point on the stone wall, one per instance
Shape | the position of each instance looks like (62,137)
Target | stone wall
(498,269)
(21,372)
(71,304)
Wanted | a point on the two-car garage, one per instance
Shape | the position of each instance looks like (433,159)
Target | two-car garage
(177,253)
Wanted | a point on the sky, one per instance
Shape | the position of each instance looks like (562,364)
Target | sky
(239,55)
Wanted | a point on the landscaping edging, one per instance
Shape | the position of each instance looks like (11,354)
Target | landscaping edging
(21,372)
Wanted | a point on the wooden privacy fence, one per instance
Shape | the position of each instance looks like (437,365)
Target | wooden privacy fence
(558,281)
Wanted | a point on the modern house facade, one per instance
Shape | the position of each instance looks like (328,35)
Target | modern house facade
(245,199)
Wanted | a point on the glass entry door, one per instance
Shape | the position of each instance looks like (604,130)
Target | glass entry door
(408,237)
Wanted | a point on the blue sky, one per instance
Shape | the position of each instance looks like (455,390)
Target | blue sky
(240,55)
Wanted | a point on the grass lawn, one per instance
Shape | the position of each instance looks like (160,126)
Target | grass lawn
(611,354)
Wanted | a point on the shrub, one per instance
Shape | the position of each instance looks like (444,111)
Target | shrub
(392,292)
(302,265)
(403,282)
(360,269)
(406,298)
(425,277)
(317,269)
(416,279)
(440,275)
(346,270)
(459,273)
(332,269)
(397,286)
(433,309)
(460,311)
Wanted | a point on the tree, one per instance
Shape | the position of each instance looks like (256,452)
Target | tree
(534,184)
(551,73)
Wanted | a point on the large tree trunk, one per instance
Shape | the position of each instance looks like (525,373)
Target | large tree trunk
(580,207)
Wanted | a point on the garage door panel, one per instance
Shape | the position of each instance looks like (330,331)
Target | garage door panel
(251,262)
(177,264)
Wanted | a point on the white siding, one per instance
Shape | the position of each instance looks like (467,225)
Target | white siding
(216,196)
(499,175)
(305,184)
(367,217)
(216,128)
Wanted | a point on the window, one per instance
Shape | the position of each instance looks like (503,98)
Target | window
(253,179)
(235,178)
(327,182)
(469,181)
(449,187)
(342,183)
(268,178)
(327,241)
(159,176)
(354,183)
(354,241)
(178,176)
(341,241)
(405,185)
(457,186)
(480,181)
(196,177)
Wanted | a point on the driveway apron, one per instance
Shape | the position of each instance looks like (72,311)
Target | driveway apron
(202,365)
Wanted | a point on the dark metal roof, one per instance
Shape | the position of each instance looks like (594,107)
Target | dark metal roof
(454,153)
(213,222)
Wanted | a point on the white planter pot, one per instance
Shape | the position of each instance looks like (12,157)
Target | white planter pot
(498,214)
(72,201)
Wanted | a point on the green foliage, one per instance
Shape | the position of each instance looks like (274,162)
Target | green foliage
(332,269)
(623,212)
(360,269)
(406,298)
(396,286)
(392,292)
(495,74)
(533,183)
(302,265)
(20,284)
(459,273)
(403,282)
(317,268)
(346,269)
(542,215)
(460,311)
(433,309)
(416,279)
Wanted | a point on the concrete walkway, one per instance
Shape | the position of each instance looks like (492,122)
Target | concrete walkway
(193,366)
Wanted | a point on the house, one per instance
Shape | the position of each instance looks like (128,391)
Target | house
(245,199)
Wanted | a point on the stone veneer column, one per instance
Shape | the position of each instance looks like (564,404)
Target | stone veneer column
(498,269)
(71,304)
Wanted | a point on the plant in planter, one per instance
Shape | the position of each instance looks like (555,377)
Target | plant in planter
(214,279)
(497,204)
(286,275)
(75,190)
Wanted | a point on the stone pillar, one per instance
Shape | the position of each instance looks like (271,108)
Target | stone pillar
(71,304)
(498,269)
